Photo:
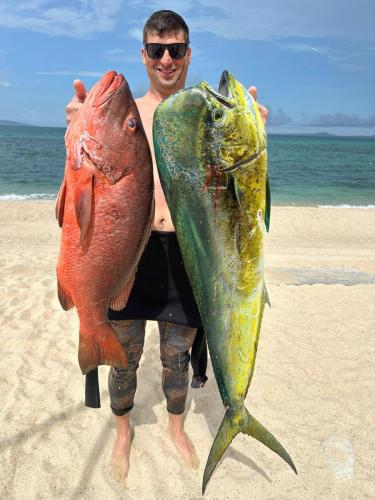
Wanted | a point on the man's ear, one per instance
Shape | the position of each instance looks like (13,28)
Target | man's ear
(188,52)
(143,55)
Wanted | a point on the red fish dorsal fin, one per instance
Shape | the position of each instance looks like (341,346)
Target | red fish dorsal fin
(119,302)
(83,202)
(60,203)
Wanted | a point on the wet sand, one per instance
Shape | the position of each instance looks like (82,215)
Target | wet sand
(313,387)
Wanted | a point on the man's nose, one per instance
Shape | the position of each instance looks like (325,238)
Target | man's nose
(166,59)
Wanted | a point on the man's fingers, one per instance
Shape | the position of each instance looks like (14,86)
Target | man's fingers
(262,109)
(263,112)
(79,90)
(253,91)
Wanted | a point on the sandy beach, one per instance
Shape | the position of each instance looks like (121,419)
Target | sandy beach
(313,387)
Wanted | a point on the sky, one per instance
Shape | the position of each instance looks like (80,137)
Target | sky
(313,62)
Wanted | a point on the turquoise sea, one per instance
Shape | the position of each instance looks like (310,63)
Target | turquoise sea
(304,170)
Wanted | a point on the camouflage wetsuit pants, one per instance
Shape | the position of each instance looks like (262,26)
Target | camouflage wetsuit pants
(175,343)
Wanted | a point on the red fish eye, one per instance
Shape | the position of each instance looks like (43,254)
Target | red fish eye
(132,123)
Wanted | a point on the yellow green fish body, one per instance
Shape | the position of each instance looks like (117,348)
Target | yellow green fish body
(211,153)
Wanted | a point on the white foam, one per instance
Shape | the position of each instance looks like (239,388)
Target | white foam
(32,196)
(368,207)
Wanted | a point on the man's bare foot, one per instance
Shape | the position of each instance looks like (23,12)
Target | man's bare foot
(119,465)
(182,441)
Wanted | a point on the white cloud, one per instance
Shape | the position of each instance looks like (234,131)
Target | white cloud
(327,120)
(343,55)
(81,19)
(119,55)
(290,18)
(136,33)
(302,47)
(182,7)
(4,84)
(278,118)
(337,120)
(72,73)
(237,19)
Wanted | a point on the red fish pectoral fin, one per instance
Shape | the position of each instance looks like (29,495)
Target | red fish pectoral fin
(60,203)
(119,302)
(100,348)
(83,203)
(112,163)
(64,299)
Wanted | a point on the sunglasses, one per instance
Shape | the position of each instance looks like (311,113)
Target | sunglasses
(156,50)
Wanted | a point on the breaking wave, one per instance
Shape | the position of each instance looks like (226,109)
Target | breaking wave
(32,196)
(345,205)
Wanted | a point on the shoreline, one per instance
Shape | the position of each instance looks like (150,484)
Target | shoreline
(24,198)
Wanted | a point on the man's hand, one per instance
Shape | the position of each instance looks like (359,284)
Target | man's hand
(262,109)
(77,100)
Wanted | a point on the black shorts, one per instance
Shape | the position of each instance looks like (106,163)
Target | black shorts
(161,290)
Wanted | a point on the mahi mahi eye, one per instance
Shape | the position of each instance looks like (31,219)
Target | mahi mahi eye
(217,114)
(132,123)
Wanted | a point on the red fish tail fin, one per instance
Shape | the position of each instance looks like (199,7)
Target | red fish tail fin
(101,348)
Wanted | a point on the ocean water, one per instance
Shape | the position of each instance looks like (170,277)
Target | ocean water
(304,170)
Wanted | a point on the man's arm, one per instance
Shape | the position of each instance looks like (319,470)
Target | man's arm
(262,109)
(77,100)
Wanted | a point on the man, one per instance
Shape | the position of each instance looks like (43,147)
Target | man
(161,290)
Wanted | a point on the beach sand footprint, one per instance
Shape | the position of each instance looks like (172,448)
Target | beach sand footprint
(338,453)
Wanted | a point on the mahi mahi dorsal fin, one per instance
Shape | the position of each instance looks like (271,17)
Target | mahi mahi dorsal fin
(60,203)
(83,203)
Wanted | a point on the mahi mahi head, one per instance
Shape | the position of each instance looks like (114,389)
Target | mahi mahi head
(211,154)
(105,208)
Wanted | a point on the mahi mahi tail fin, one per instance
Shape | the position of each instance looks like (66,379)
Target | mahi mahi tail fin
(238,420)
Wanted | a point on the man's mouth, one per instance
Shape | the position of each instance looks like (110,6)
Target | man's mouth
(166,72)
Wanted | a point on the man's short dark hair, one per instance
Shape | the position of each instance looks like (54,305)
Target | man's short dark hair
(165,21)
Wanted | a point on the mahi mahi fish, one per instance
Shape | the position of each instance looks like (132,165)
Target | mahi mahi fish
(105,209)
(211,154)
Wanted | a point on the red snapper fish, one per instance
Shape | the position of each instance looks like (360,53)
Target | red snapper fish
(105,209)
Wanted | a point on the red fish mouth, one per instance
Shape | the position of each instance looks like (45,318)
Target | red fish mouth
(109,85)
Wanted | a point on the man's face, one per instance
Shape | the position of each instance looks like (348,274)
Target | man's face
(167,75)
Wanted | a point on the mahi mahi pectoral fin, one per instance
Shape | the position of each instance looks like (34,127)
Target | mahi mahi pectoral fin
(60,203)
(238,420)
(268,204)
(83,203)
(238,192)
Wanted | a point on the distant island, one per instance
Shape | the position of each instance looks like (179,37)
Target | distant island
(10,123)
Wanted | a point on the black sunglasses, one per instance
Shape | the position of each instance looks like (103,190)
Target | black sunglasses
(156,50)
